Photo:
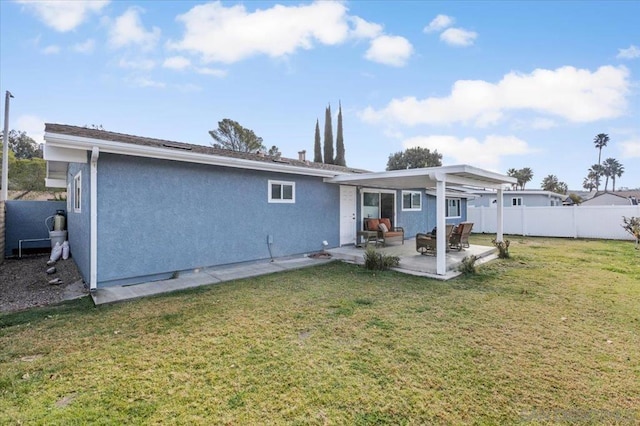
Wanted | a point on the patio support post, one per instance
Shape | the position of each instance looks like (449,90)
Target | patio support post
(500,207)
(441,220)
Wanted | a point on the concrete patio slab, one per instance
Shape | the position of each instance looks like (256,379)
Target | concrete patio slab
(199,277)
(414,263)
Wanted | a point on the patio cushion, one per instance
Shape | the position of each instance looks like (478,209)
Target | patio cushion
(372,224)
(387,222)
(383,227)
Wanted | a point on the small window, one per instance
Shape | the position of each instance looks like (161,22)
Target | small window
(516,201)
(411,201)
(453,207)
(282,191)
(77,193)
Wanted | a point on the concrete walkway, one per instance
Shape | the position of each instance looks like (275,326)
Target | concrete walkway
(200,277)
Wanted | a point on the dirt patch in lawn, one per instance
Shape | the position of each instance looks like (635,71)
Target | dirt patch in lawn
(24,283)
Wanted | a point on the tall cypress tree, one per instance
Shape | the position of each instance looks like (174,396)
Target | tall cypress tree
(340,160)
(317,148)
(328,137)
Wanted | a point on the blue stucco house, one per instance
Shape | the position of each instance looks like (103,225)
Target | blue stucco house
(519,198)
(142,209)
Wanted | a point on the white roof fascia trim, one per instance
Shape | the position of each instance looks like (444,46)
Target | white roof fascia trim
(77,142)
(55,183)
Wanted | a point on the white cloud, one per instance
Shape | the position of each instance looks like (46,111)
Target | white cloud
(211,71)
(364,29)
(128,30)
(439,23)
(577,95)
(64,15)
(543,123)
(147,82)
(231,34)
(86,47)
(631,148)
(486,153)
(458,37)
(176,63)
(32,125)
(51,50)
(137,64)
(390,50)
(632,52)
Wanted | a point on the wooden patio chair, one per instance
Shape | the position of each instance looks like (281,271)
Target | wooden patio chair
(428,243)
(460,236)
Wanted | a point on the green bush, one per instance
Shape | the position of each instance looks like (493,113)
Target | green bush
(378,261)
(503,248)
(468,265)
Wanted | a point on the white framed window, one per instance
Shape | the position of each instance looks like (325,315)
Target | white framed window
(411,201)
(516,201)
(281,191)
(453,207)
(77,192)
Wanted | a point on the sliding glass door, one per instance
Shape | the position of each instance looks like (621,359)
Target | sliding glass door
(379,203)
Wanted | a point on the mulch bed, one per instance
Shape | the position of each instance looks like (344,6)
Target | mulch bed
(24,283)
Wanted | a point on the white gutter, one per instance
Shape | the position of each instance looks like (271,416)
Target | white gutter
(164,153)
(93,284)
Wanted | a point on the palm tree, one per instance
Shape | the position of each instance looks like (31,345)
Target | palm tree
(595,174)
(549,183)
(591,182)
(526,174)
(612,169)
(601,141)
(513,173)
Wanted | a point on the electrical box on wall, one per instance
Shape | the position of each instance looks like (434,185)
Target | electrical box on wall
(269,239)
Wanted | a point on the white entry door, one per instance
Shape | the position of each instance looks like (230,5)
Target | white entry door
(347,215)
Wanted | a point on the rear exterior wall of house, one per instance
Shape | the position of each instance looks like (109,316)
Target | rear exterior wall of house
(157,217)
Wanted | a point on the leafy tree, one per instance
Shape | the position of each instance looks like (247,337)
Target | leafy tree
(22,145)
(231,135)
(612,169)
(551,183)
(575,198)
(317,148)
(340,160)
(28,175)
(274,152)
(600,141)
(414,158)
(328,137)
(523,176)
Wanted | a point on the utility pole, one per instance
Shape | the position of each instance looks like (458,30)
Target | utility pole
(5,149)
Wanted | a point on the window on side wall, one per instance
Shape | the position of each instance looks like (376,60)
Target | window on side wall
(453,207)
(411,201)
(516,201)
(77,193)
(282,191)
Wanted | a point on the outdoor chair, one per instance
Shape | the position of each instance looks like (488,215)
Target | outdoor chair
(385,231)
(460,236)
(427,243)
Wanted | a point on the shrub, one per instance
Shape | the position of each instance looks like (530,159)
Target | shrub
(378,261)
(632,226)
(503,248)
(468,265)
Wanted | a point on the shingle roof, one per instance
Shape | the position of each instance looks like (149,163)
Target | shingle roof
(104,135)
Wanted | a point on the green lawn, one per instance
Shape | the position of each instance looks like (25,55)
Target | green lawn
(551,335)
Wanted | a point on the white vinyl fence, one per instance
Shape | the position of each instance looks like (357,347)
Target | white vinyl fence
(575,221)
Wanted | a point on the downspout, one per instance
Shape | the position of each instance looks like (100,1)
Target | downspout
(93,285)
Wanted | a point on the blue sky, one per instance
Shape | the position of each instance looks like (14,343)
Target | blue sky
(492,84)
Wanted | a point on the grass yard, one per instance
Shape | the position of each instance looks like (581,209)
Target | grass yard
(551,335)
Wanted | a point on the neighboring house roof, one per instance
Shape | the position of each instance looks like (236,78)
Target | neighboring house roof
(611,198)
(61,138)
(482,192)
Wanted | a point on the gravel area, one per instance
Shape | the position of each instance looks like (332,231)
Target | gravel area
(24,283)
